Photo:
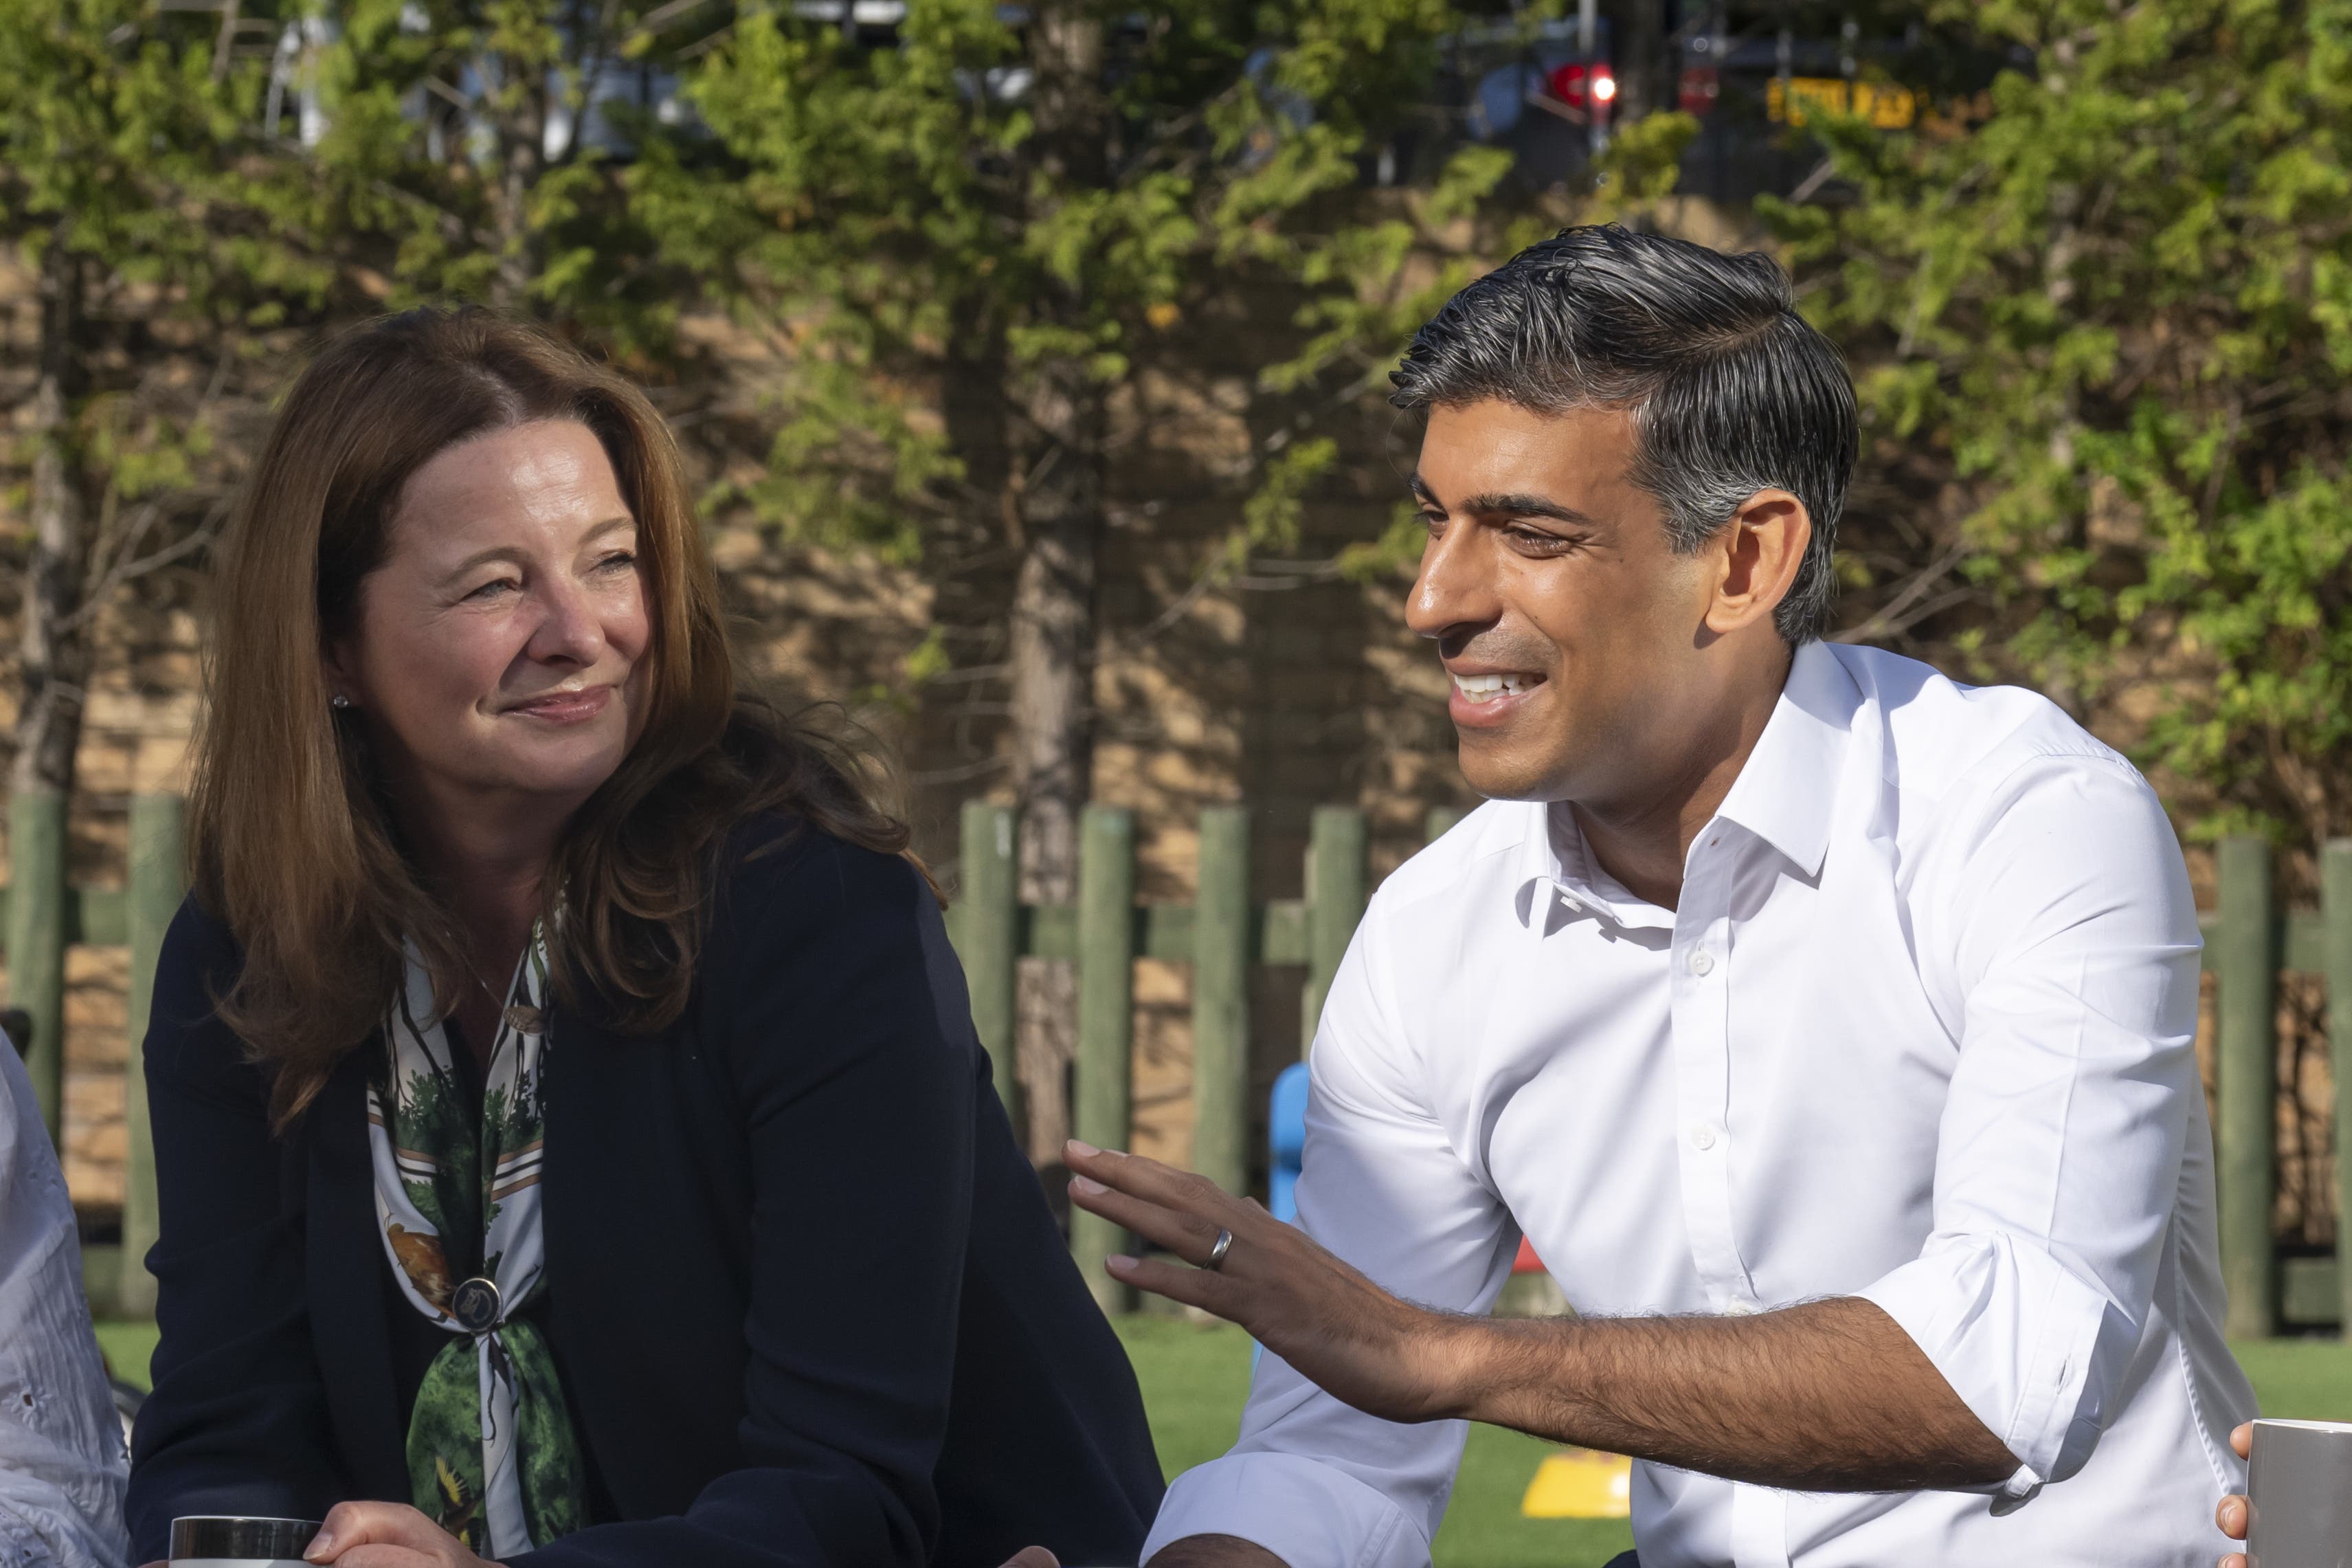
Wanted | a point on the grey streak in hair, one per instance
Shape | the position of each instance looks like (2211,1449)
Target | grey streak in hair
(1732,391)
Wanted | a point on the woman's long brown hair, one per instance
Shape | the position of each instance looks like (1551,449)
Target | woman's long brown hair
(290,841)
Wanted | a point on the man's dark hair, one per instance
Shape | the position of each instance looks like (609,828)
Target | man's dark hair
(1732,392)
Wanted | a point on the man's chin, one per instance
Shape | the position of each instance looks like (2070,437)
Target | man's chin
(1500,772)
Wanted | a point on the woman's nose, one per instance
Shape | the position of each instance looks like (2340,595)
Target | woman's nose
(569,631)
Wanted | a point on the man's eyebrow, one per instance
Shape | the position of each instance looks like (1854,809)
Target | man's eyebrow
(1506,505)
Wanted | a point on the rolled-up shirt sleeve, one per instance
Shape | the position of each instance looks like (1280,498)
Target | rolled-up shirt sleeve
(2060,1146)
(1316,1482)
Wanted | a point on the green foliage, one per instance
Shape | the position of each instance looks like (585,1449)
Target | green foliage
(128,141)
(438,166)
(896,224)
(2118,308)
(128,151)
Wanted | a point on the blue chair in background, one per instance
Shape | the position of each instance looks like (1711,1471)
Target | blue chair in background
(1285,1123)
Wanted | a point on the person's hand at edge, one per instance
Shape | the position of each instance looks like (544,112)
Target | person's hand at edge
(388,1535)
(2235,1515)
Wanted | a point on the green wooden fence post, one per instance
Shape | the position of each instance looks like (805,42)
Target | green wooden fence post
(2336,893)
(37,941)
(1337,883)
(158,882)
(1106,1023)
(2246,963)
(1441,821)
(1221,955)
(987,938)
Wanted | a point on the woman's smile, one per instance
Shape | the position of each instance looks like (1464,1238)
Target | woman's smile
(563,707)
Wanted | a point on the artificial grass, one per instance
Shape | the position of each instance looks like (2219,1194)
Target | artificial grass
(1194,1379)
(2300,1380)
(128,1346)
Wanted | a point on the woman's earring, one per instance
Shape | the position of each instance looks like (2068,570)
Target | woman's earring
(339,700)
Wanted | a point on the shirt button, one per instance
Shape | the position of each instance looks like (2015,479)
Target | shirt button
(1701,960)
(1704,1137)
(1741,1310)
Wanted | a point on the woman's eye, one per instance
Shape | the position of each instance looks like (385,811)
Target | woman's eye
(620,560)
(494,588)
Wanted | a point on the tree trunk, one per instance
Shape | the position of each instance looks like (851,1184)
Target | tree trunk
(54,658)
(1058,481)
(1646,75)
(53,662)
(521,122)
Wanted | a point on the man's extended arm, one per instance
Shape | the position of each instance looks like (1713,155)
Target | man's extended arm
(1831,1396)
(1828,1396)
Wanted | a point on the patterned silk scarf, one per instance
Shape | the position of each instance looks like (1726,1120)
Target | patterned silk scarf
(491,1453)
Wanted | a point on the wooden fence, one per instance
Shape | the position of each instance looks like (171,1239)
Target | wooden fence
(1222,934)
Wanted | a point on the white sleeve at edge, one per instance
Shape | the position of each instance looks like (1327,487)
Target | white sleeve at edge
(62,1467)
(1304,1513)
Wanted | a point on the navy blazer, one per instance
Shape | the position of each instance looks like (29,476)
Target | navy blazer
(809,1304)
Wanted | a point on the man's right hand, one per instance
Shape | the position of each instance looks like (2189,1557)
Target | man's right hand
(2236,1515)
(1214,1551)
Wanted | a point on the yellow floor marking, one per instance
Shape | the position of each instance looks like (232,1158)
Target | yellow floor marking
(1577,1483)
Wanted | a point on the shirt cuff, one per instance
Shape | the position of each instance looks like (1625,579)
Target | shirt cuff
(2018,1336)
(1304,1513)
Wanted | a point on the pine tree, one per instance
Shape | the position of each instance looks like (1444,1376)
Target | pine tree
(130,185)
(967,235)
(475,151)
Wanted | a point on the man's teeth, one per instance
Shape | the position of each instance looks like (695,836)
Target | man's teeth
(1486,687)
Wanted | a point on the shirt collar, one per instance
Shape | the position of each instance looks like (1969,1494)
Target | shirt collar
(1556,856)
(1783,795)
(1788,787)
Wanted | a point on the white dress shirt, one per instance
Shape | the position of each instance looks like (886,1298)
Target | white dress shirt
(1920,1031)
(62,1467)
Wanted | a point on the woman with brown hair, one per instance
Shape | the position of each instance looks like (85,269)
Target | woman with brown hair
(572,1144)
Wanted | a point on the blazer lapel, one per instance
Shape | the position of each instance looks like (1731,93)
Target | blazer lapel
(348,1327)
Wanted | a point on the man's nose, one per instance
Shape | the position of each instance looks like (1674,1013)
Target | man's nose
(1456,592)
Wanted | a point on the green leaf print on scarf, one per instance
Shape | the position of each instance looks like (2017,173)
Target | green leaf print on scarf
(444,1443)
(492,1456)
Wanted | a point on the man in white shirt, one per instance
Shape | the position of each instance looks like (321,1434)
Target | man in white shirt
(1824,1024)
(62,1465)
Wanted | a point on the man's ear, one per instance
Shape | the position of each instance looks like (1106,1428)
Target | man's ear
(1758,553)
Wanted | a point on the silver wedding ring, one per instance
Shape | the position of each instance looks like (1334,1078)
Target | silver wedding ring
(1217,1253)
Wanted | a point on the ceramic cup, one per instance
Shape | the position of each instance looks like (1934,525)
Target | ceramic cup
(220,1540)
(2300,1487)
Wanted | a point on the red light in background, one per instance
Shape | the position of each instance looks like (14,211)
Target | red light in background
(1585,88)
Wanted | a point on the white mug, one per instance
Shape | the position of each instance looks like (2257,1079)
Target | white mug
(2300,1487)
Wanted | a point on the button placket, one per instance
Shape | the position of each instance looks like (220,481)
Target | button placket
(1701,1068)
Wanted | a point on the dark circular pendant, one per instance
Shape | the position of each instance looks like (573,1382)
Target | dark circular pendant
(475,1305)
